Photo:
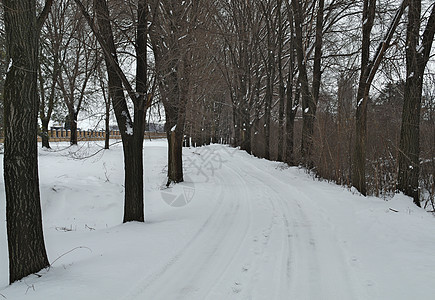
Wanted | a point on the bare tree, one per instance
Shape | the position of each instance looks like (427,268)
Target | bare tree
(50,64)
(369,68)
(172,37)
(417,57)
(78,63)
(131,129)
(310,97)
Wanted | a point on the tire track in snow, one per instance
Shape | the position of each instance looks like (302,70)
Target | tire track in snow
(241,278)
(195,269)
(313,276)
(262,241)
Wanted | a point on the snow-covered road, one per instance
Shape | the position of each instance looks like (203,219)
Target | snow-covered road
(238,228)
(257,242)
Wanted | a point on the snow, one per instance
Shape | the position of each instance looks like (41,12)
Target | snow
(11,62)
(128,125)
(251,229)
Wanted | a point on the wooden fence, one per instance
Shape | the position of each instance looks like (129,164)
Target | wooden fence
(62,135)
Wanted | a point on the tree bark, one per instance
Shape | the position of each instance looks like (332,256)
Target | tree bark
(291,106)
(281,86)
(307,98)
(107,126)
(44,134)
(26,246)
(72,118)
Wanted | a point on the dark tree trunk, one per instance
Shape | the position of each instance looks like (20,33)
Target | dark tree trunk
(236,126)
(281,86)
(291,106)
(246,132)
(175,121)
(133,166)
(131,133)
(175,156)
(45,138)
(107,126)
(73,126)
(291,109)
(368,71)
(409,165)
(307,99)
(27,252)
(267,113)
(359,157)
(245,116)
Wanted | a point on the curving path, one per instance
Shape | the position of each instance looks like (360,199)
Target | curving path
(261,241)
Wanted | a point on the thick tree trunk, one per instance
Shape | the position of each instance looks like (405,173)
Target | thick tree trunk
(359,151)
(409,165)
(245,127)
(291,106)
(73,127)
(267,115)
(107,126)
(27,253)
(175,156)
(359,156)
(236,126)
(45,138)
(133,168)
(131,133)
(291,109)
(281,86)
(368,71)
(308,112)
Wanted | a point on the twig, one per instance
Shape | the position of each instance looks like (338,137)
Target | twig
(105,172)
(29,287)
(93,154)
(64,228)
(3,296)
(90,228)
(392,209)
(80,247)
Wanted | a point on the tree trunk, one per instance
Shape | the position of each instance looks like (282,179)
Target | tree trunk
(175,156)
(131,134)
(45,138)
(26,246)
(368,71)
(307,99)
(409,165)
(73,126)
(236,126)
(107,126)
(281,84)
(267,114)
(133,182)
(359,156)
(244,126)
(291,107)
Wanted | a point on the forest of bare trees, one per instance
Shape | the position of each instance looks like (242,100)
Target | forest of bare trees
(342,88)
